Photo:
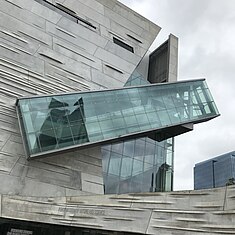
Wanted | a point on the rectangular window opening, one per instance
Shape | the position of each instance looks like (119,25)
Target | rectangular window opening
(66,12)
(111,67)
(123,44)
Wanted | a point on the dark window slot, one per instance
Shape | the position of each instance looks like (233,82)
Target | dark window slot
(137,40)
(13,4)
(123,44)
(66,12)
(65,9)
(117,70)
(48,57)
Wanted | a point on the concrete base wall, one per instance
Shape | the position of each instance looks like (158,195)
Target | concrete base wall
(187,212)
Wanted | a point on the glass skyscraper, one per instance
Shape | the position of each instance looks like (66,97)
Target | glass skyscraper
(215,172)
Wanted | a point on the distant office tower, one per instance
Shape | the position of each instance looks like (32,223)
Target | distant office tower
(215,172)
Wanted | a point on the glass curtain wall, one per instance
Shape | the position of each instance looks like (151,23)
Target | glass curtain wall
(139,165)
(215,172)
(145,165)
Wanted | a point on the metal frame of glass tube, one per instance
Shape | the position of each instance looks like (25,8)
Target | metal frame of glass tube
(61,122)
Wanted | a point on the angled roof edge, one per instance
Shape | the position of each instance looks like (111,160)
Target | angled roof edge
(153,27)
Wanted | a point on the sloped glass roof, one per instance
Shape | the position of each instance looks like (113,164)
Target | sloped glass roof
(62,122)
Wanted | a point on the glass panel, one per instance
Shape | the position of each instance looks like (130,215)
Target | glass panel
(39,119)
(25,106)
(126,167)
(137,167)
(128,149)
(114,165)
(168,179)
(139,148)
(117,148)
(105,160)
(143,160)
(39,104)
(28,121)
(47,140)
(91,117)
(33,142)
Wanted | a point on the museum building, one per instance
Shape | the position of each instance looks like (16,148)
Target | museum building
(87,110)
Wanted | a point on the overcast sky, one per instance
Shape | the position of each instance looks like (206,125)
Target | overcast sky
(206,32)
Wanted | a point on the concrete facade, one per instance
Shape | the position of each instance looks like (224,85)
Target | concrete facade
(44,49)
(45,52)
(187,212)
(163,62)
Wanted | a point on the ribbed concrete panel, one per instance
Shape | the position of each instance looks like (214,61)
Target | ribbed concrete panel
(37,9)
(135,23)
(91,10)
(187,212)
(44,52)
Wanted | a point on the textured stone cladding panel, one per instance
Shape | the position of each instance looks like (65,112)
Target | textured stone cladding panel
(187,212)
(44,52)
(173,58)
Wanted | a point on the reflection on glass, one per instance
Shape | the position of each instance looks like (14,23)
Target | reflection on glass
(69,120)
(146,166)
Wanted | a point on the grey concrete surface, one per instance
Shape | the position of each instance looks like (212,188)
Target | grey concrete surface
(44,52)
(184,212)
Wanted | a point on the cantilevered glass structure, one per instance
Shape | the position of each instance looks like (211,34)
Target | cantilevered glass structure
(63,122)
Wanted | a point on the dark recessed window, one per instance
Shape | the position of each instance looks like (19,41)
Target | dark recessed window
(66,12)
(137,40)
(111,67)
(123,44)
(65,9)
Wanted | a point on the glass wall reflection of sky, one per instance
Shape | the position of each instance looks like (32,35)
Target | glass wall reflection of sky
(138,165)
(71,120)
